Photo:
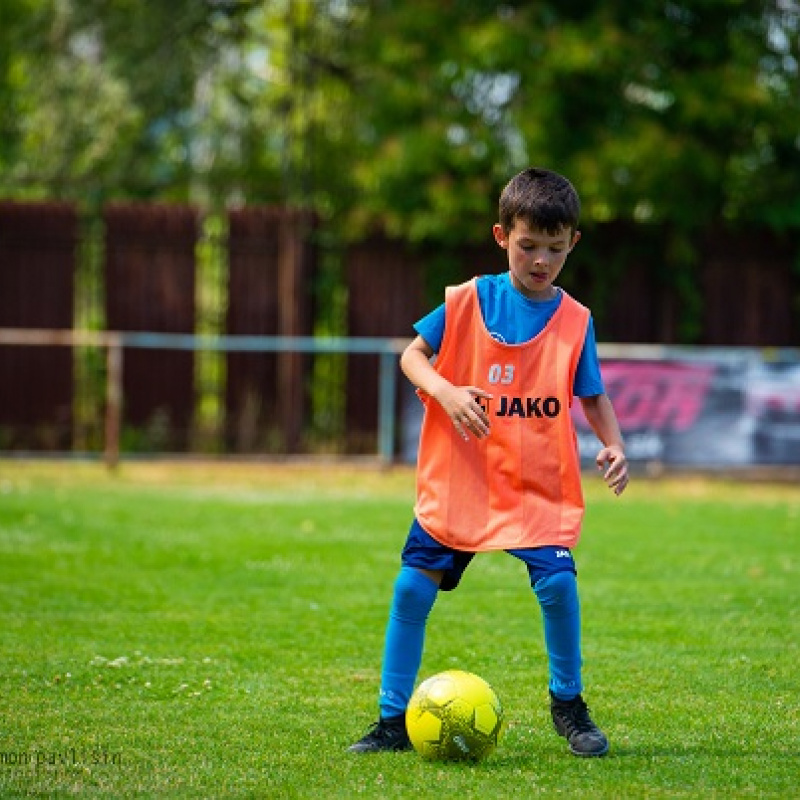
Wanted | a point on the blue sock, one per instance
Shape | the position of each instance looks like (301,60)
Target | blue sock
(414,595)
(561,613)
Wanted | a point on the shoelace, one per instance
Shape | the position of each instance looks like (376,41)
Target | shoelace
(381,731)
(576,717)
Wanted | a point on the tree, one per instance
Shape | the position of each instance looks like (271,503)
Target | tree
(105,93)
(673,115)
(408,117)
(643,107)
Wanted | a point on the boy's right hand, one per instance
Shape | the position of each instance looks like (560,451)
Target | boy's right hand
(460,403)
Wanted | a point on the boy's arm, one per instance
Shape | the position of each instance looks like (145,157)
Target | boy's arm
(600,415)
(458,402)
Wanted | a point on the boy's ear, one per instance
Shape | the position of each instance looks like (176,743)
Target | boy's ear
(500,235)
(575,239)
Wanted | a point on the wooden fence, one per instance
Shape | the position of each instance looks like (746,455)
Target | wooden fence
(37,277)
(270,279)
(150,286)
(750,292)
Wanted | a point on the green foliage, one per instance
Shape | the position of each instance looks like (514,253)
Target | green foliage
(216,631)
(410,115)
(408,118)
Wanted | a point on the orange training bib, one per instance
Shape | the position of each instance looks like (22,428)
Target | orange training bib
(520,486)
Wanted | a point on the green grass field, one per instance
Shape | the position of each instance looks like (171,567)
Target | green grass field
(215,631)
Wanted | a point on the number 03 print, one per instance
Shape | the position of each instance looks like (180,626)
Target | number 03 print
(501,373)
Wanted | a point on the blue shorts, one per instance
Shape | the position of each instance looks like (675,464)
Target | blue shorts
(424,552)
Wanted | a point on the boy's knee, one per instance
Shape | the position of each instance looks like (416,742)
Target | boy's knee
(559,590)
(414,593)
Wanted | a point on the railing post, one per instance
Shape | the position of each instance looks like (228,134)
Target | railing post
(387,391)
(113,400)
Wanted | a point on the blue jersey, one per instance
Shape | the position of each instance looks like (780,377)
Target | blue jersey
(512,318)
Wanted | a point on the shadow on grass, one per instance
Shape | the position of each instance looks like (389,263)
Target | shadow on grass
(703,750)
(505,761)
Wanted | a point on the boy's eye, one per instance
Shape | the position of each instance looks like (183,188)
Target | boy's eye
(529,247)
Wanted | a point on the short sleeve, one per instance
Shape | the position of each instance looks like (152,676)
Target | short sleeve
(588,379)
(431,328)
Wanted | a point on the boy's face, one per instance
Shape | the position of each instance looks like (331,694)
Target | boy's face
(535,257)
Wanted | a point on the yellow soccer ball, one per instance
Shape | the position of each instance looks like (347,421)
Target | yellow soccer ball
(454,716)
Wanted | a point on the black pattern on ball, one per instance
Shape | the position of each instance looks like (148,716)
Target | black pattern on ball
(454,716)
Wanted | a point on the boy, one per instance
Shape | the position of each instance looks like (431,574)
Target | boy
(498,467)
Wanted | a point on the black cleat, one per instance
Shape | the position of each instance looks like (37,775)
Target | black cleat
(386,735)
(572,721)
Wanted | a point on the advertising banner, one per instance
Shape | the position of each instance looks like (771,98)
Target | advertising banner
(688,407)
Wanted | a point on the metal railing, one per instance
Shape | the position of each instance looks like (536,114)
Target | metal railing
(114,342)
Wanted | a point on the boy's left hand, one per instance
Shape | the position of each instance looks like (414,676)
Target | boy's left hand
(613,460)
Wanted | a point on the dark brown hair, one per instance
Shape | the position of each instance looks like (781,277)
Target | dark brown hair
(543,199)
